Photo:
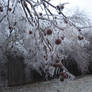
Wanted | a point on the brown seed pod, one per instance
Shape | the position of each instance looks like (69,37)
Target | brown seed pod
(58,41)
(80,37)
(49,32)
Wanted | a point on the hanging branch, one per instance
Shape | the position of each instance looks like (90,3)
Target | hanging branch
(35,13)
(69,21)
(14,5)
(8,6)
(6,12)
(47,8)
(26,13)
(49,4)
(25,4)
(49,47)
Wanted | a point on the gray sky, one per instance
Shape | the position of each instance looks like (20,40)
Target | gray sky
(85,5)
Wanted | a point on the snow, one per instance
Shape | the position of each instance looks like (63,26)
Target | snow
(83,84)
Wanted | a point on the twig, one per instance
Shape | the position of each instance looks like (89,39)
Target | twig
(2,18)
(26,13)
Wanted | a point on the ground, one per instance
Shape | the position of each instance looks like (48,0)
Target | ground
(83,84)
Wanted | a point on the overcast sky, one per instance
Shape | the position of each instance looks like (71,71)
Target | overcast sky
(85,5)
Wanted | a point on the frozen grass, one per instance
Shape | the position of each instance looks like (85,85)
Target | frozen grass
(83,84)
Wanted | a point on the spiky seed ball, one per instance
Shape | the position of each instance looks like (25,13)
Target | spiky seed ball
(30,32)
(49,31)
(1,9)
(80,37)
(58,41)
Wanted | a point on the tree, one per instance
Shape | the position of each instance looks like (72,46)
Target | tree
(43,35)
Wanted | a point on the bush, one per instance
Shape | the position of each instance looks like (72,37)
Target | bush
(72,66)
(16,73)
